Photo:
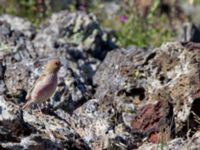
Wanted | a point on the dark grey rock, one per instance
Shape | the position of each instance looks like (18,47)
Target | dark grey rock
(19,24)
(189,33)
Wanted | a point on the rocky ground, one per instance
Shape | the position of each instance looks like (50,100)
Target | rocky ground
(107,98)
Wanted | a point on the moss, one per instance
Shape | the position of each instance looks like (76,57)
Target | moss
(5,48)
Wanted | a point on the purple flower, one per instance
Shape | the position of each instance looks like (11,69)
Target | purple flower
(123,18)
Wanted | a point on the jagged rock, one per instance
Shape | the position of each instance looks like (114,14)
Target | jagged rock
(184,83)
(15,43)
(75,37)
(155,121)
(91,124)
(72,92)
(99,128)
(120,67)
(78,29)
(126,89)
(77,74)
(11,122)
(189,33)
(19,24)
(23,130)
(169,73)
(114,103)
(16,74)
(175,144)
(21,67)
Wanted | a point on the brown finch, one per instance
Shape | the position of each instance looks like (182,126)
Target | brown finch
(46,84)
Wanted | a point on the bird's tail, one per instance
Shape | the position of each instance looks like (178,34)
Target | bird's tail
(27,105)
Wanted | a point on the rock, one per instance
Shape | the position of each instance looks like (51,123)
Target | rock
(19,24)
(23,130)
(33,142)
(99,127)
(111,8)
(18,48)
(175,144)
(164,75)
(119,99)
(192,45)
(15,44)
(155,121)
(16,74)
(189,33)
(11,122)
(185,77)
(22,68)
(194,142)
(81,43)
(78,29)
(91,124)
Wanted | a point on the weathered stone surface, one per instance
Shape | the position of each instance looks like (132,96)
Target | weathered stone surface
(78,29)
(131,96)
(16,74)
(79,65)
(19,24)
(189,33)
(22,62)
(11,122)
(168,74)
(155,121)
(99,127)
(175,144)
(15,44)
(24,130)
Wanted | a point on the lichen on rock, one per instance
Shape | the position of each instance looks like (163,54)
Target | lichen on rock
(107,97)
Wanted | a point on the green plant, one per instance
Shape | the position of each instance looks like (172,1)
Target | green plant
(33,10)
(144,29)
(142,26)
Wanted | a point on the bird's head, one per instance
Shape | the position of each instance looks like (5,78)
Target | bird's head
(53,66)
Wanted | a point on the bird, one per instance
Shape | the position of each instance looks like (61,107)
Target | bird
(45,85)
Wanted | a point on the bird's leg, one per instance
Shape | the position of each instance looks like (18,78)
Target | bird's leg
(39,109)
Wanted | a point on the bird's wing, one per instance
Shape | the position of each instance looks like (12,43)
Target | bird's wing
(41,78)
(34,84)
(28,97)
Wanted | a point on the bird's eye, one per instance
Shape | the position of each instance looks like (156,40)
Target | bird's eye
(57,63)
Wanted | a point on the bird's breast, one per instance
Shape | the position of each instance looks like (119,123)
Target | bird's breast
(44,89)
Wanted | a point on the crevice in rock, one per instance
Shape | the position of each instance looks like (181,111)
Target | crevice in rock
(7,135)
(151,56)
(163,79)
(140,92)
(2,70)
(193,122)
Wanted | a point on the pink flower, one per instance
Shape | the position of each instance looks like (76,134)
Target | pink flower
(123,18)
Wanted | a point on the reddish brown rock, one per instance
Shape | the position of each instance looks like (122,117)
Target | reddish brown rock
(153,120)
(154,137)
